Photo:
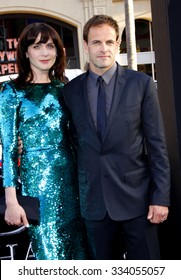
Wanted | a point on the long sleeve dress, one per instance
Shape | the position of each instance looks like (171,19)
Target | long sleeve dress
(38,115)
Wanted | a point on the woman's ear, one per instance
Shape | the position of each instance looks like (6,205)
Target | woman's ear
(27,55)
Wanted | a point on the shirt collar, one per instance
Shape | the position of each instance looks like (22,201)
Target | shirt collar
(106,76)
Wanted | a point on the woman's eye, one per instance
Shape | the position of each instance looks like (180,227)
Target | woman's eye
(36,46)
(51,46)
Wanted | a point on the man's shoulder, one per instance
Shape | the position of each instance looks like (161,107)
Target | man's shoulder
(76,81)
(135,78)
(137,74)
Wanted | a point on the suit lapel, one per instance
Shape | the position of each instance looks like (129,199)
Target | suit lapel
(94,140)
(87,106)
(118,91)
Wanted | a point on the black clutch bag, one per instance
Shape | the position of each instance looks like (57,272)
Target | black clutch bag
(30,205)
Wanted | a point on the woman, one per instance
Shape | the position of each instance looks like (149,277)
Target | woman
(32,107)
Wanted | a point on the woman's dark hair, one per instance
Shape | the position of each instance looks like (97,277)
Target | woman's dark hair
(27,38)
(98,20)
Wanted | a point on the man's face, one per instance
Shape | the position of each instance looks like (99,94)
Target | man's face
(102,47)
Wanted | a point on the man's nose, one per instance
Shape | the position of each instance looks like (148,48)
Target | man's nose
(103,47)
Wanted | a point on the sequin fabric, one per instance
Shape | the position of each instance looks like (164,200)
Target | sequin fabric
(38,115)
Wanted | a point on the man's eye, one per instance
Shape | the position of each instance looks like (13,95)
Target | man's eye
(96,43)
(110,43)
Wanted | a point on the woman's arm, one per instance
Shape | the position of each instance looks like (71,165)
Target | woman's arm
(14,214)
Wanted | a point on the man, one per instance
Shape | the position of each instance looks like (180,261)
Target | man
(124,174)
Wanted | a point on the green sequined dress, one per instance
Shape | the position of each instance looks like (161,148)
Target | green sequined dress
(38,115)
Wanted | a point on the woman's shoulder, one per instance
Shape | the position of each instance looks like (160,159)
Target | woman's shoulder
(8,86)
(8,94)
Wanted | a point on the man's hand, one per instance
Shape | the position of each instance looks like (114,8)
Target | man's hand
(157,214)
(20,146)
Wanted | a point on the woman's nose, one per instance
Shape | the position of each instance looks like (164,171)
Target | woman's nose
(44,51)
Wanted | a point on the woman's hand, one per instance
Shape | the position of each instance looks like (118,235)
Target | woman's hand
(14,214)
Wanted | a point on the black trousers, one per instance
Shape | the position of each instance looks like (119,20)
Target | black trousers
(134,239)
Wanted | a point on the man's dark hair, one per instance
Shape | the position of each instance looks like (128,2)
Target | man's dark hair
(99,20)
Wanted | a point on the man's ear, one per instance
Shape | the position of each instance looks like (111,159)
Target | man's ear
(85,47)
(118,44)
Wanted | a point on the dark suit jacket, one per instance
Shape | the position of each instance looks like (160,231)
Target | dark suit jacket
(118,176)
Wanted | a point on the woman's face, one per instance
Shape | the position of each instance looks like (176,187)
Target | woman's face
(42,56)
